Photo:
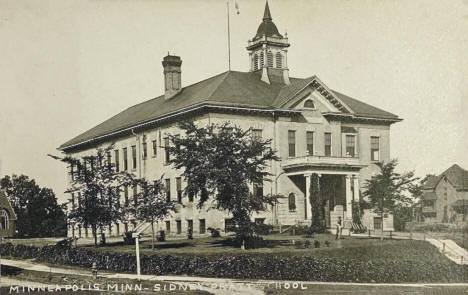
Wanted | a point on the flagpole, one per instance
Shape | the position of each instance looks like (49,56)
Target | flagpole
(229,37)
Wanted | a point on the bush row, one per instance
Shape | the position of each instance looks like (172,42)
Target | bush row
(258,266)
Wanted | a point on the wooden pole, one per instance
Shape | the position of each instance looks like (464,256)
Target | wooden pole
(137,245)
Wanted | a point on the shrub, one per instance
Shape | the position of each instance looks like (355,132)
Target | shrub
(307,244)
(128,238)
(299,244)
(162,236)
(214,232)
(301,230)
(327,243)
(262,229)
(316,244)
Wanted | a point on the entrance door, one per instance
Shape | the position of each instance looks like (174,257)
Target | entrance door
(377,223)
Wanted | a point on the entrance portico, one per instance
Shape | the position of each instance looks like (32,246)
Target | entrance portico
(338,183)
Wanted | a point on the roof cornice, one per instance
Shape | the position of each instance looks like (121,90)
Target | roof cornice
(177,113)
(360,117)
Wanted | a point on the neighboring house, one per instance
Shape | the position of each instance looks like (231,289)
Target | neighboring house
(7,217)
(445,197)
(315,130)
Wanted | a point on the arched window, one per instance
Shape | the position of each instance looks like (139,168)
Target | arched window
(3,220)
(261,60)
(279,60)
(309,104)
(255,62)
(270,59)
(292,202)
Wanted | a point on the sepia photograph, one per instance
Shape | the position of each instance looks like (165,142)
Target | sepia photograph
(260,147)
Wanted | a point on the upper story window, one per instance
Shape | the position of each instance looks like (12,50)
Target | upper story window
(258,189)
(179,189)
(270,59)
(134,157)
(310,143)
(154,144)
(168,190)
(309,104)
(125,159)
(375,148)
(145,150)
(255,62)
(279,60)
(328,144)
(108,159)
(117,162)
(256,134)
(292,202)
(292,143)
(351,145)
(167,155)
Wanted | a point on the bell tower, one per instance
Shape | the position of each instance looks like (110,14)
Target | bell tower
(268,50)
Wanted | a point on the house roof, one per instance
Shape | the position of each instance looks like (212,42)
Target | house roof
(267,27)
(231,88)
(456,175)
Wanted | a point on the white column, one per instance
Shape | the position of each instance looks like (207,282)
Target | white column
(308,206)
(349,200)
(356,188)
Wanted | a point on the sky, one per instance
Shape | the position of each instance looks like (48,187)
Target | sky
(66,66)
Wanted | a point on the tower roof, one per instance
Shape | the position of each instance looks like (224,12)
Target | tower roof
(267,27)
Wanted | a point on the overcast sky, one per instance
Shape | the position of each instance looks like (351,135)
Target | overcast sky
(66,66)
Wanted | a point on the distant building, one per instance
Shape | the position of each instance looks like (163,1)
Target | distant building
(445,197)
(7,217)
(314,129)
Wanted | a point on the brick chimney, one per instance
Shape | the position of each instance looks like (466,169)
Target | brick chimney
(172,75)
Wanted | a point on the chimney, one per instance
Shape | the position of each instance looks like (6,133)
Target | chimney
(172,75)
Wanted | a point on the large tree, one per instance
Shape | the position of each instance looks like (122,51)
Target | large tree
(37,210)
(387,191)
(224,162)
(151,203)
(95,185)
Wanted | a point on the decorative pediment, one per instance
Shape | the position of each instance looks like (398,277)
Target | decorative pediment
(317,86)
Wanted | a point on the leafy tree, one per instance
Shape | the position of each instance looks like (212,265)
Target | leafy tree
(151,204)
(387,191)
(37,210)
(318,201)
(224,161)
(96,186)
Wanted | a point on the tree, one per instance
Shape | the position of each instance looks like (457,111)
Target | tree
(224,161)
(96,185)
(318,201)
(36,208)
(151,204)
(387,190)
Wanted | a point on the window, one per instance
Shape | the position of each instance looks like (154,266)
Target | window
(309,104)
(73,200)
(155,147)
(292,143)
(255,62)
(108,159)
(279,60)
(328,144)
(260,220)
(168,226)
(261,60)
(310,142)
(292,202)
(135,195)
(126,195)
(145,150)
(179,226)
(3,220)
(125,158)
(167,157)
(375,148)
(134,158)
(179,189)
(117,228)
(350,145)
(168,190)
(190,197)
(202,226)
(270,59)
(258,190)
(190,225)
(117,163)
(229,225)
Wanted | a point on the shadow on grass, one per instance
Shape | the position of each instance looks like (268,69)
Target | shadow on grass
(230,242)
(10,271)
(170,245)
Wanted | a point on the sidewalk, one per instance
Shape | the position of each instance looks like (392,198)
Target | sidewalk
(447,247)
